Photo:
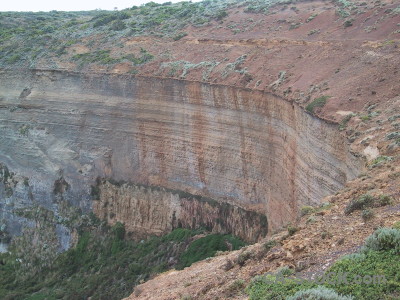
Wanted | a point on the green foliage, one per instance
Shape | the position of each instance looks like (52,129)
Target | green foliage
(284,271)
(237,285)
(292,230)
(103,264)
(383,239)
(100,56)
(396,225)
(306,210)
(343,123)
(144,57)
(269,245)
(272,288)
(380,160)
(179,36)
(376,266)
(207,247)
(367,214)
(118,25)
(380,266)
(318,102)
(364,201)
(348,23)
(106,18)
(318,293)
(367,201)
(393,135)
(243,257)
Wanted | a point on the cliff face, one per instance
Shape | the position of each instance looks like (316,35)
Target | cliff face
(251,149)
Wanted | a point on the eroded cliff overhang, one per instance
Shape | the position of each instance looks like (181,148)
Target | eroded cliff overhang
(249,148)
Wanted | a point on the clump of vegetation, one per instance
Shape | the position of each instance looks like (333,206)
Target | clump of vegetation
(312,17)
(370,274)
(179,36)
(269,245)
(383,239)
(320,293)
(367,214)
(236,286)
(362,202)
(104,264)
(207,247)
(306,210)
(379,160)
(348,23)
(393,135)
(285,271)
(396,225)
(343,123)
(366,201)
(100,56)
(243,257)
(292,230)
(318,102)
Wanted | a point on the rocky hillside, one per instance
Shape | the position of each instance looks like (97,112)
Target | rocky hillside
(235,117)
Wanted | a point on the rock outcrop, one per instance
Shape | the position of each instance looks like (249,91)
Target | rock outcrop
(253,150)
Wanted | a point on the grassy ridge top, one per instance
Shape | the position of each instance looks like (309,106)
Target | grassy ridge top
(27,37)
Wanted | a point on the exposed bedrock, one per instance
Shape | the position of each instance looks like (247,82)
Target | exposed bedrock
(251,149)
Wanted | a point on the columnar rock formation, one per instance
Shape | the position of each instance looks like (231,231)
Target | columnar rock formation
(251,149)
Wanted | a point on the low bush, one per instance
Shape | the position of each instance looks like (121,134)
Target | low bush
(306,210)
(243,257)
(292,230)
(318,102)
(364,201)
(269,245)
(207,247)
(367,214)
(383,239)
(318,293)
(371,273)
(367,201)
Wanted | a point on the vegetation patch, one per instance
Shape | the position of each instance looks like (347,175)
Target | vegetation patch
(318,102)
(207,247)
(106,265)
(367,201)
(371,273)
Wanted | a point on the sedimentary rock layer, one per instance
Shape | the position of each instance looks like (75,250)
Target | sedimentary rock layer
(249,148)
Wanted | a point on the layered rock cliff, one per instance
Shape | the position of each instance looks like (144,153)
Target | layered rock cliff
(251,149)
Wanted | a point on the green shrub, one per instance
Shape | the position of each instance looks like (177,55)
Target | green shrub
(383,239)
(243,257)
(269,245)
(384,200)
(292,230)
(285,271)
(117,25)
(348,23)
(237,286)
(179,36)
(377,262)
(396,225)
(318,293)
(306,210)
(379,266)
(318,102)
(271,287)
(367,214)
(364,201)
(207,247)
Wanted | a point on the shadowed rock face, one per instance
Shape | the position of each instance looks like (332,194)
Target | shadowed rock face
(251,149)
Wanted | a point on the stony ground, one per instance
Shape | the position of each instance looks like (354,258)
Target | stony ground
(358,68)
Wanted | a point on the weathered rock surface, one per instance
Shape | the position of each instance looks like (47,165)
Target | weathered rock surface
(251,149)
